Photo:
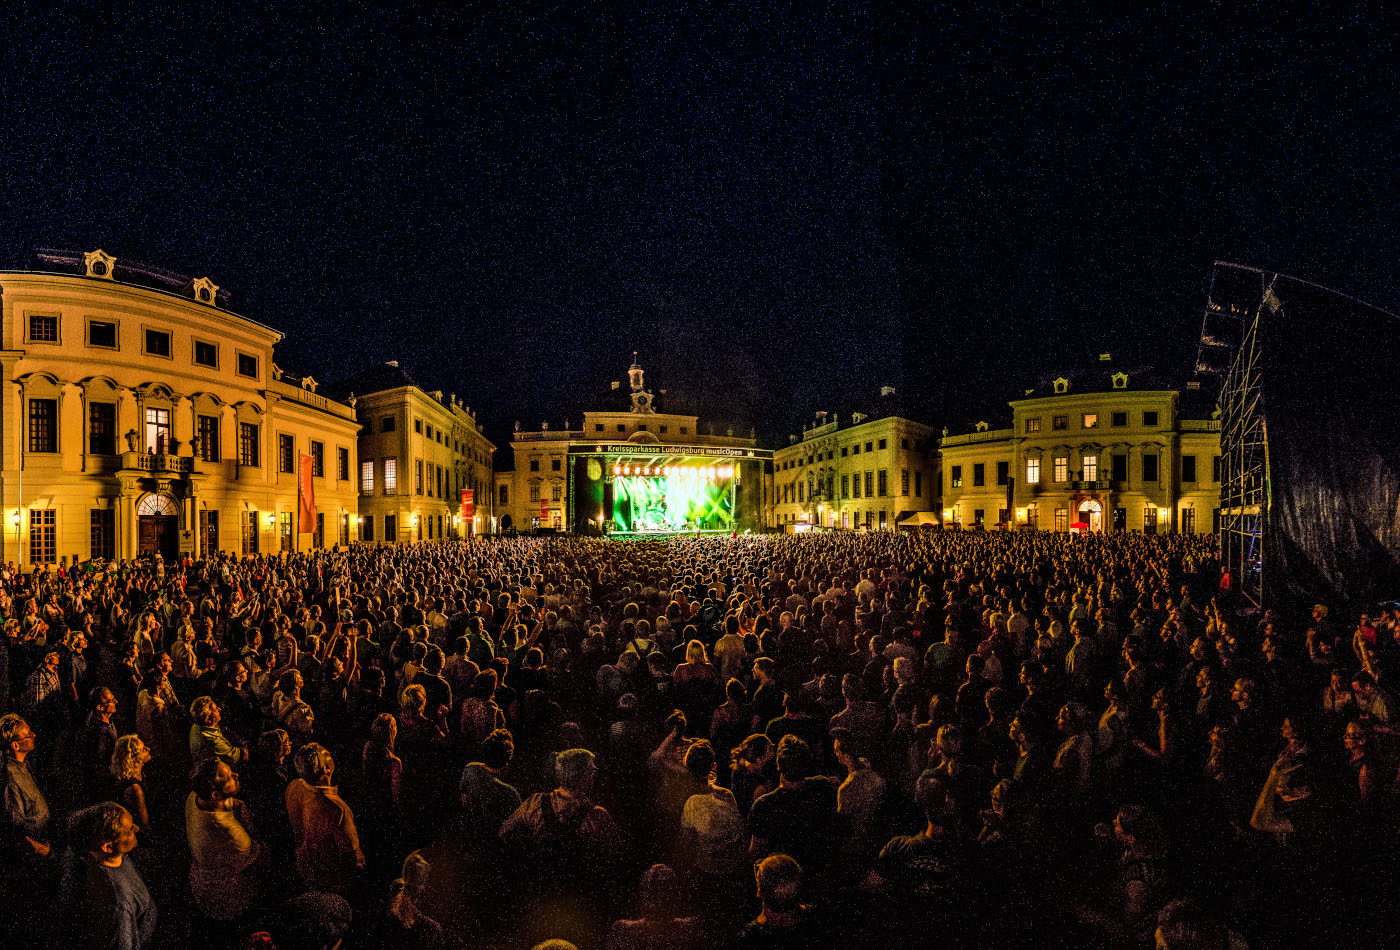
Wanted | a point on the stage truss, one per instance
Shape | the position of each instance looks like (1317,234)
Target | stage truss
(1229,348)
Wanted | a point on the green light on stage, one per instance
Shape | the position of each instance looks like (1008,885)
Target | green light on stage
(671,504)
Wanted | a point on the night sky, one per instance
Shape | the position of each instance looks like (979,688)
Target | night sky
(781,209)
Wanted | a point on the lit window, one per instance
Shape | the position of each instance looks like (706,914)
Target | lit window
(1061,468)
(1091,468)
(1091,420)
(1032,471)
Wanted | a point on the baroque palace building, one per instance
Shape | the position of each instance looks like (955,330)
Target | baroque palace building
(424,464)
(631,445)
(874,471)
(141,415)
(1101,448)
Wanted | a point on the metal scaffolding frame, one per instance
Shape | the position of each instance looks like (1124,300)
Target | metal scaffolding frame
(1230,348)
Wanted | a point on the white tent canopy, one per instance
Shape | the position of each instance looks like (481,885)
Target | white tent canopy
(918,518)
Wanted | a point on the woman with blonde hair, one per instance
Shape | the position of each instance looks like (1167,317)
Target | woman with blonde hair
(288,709)
(129,758)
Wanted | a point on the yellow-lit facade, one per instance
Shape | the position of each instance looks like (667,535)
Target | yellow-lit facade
(863,473)
(417,451)
(140,420)
(1112,458)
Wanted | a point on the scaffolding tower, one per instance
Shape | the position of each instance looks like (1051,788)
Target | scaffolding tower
(1229,349)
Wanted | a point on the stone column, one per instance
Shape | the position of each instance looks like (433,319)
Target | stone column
(128,531)
(71,427)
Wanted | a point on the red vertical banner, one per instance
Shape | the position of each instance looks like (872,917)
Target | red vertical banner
(544,512)
(468,503)
(306,499)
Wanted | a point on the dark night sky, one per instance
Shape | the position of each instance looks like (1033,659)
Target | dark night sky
(781,209)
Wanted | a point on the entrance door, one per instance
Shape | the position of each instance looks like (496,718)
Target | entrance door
(1120,520)
(160,534)
(1091,513)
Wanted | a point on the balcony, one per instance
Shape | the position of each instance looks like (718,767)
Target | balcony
(158,463)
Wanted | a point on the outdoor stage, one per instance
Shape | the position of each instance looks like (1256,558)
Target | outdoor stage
(703,532)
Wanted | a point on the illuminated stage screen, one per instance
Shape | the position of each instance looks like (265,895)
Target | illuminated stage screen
(673,498)
(621,489)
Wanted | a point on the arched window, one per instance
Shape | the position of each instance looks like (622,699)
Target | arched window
(155,504)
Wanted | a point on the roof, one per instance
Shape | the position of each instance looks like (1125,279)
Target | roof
(375,379)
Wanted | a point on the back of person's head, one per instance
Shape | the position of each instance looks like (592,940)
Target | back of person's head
(660,890)
(933,795)
(794,758)
(779,879)
(433,660)
(735,692)
(554,944)
(1185,925)
(311,762)
(484,686)
(765,665)
(574,770)
(270,745)
(383,730)
(700,760)
(413,699)
(204,780)
(498,749)
(695,652)
(97,825)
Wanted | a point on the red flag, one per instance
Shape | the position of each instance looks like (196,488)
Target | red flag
(306,499)
(544,512)
(468,504)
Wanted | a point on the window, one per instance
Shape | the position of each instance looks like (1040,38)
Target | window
(955,477)
(856,482)
(318,462)
(505,496)
(1059,422)
(1188,468)
(157,343)
(534,465)
(43,329)
(1003,474)
(1061,468)
(904,481)
(206,354)
(534,493)
(367,529)
(554,464)
(1032,425)
(1091,420)
(248,365)
(391,476)
(418,426)
(286,454)
(557,494)
(1120,419)
(103,537)
(43,536)
(318,537)
(855,449)
(869,485)
(367,477)
(208,429)
(664,428)
(918,484)
(845,486)
(343,464)
(882,445)
(430,432)
(157,431)
(903,443)
(883,482)
(844,449)
(248,444)
(685,430)
(250,532)
(597,427)
(43,425)
(102,428)
(1149,468)
(621,427)
(101,333)
(387,424)
(1032,471)
(642,427)
(1061,519)
(1215,470)
(440,473)
(1149,520)
(868,447)
(1033,516)
(344,530)
(979,515)
(1149,419)
(1188,521)
(1120,468)
(979,474)
(284,530)
(883,522)
(418,477)
(1091,468)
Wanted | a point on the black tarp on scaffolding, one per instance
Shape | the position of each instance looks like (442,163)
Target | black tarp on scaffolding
(1308,377)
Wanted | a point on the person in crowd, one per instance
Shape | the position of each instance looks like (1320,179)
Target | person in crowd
(97,741)
(659,927)
(106,899)
(562,832)
(784,922)
(487,799)
(207,737)
(328,855)
(27,832)
(126,769)
(224,858)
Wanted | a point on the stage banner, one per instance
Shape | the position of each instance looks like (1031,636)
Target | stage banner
(306,499)
(468,503)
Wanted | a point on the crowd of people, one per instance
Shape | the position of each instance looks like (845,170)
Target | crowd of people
(761,742)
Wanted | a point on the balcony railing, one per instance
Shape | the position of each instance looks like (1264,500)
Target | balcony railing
(158,462)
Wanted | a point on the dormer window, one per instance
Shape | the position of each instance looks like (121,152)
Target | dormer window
(1120,380)
(1061,386)
(205,290)
(99,263)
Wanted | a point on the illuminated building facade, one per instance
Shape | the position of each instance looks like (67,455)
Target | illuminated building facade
(1100,450)
(874,471)
(417,452)
(141,415)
